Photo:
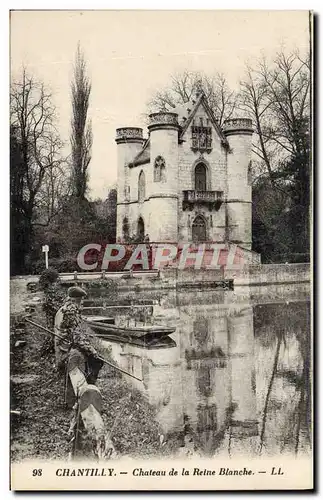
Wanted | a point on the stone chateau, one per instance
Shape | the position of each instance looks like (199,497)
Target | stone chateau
(190,180)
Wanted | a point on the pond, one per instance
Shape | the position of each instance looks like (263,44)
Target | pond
(238,381)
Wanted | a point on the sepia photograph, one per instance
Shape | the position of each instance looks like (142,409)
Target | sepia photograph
(161,224)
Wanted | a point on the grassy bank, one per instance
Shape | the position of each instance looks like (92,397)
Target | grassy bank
(39,428)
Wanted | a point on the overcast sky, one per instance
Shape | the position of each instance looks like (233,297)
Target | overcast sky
(132,53)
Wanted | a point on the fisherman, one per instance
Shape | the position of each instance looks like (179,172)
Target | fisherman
(70,325)
(53,300)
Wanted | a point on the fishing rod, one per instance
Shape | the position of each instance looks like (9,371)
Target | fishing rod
(69,343)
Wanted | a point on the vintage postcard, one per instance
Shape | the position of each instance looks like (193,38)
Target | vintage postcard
(161,236)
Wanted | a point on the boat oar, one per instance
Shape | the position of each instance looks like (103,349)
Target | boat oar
(69,343)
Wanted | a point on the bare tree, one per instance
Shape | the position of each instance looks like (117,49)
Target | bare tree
(81,134)
(36,150)
(184,87)
(276,97)
(288,86)
(54,192)
(253,100)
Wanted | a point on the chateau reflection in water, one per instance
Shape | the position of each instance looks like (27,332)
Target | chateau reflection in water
(238,379)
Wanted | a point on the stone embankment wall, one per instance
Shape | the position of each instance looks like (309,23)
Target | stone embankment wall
(263,274)
(253,275)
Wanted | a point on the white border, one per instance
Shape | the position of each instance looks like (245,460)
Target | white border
(316,6)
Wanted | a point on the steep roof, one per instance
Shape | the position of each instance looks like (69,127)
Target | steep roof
(183,111)
(202,100)
(186,113)
(143,156)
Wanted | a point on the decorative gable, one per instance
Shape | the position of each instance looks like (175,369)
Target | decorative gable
(201,121)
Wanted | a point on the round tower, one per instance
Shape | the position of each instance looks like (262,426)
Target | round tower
(239,203)
(129,141)
(163,190)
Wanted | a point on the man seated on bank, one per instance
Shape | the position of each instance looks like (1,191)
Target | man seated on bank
(70,326)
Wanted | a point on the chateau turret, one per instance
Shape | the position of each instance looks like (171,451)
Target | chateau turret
(238,132)
(163,190)
(129,141)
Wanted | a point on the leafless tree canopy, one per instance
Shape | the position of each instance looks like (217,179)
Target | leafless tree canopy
(277,97)
(41,161)
(54,192)
(81,133)
(184,87)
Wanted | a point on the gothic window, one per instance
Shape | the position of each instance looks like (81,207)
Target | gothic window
(195,142)
(200,177)
(249,175)
(125,229)
(163,173)
(199,229)
(159,169)
(201,138)
(141,187)
(140,229)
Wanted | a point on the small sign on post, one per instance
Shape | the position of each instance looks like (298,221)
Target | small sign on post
(45,248)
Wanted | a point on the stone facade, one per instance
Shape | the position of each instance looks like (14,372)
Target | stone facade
(188,181)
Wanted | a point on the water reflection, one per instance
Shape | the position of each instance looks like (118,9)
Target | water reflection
(238,380)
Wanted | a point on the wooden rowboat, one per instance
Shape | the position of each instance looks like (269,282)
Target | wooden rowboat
(130,332)
(101,319)
(149,337)
(144,342)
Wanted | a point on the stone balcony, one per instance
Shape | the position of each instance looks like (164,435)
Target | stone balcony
(212,199)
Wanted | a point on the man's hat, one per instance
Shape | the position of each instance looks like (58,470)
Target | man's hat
(76,292)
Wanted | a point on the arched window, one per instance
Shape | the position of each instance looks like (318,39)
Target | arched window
(140,229)
(125,229)
(141,187)
(200,177)
(159,169)
(249,175)
(199,229)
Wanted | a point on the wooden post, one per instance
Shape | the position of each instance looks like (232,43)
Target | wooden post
(45,249)
(76,367)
